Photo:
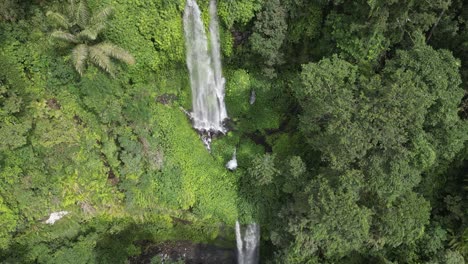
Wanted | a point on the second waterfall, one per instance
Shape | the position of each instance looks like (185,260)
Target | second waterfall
(204,65)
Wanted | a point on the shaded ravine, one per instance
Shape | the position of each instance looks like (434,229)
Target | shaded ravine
(190,253)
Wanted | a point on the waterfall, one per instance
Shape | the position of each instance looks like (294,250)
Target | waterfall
(247,246)
(208,108)
(204,65)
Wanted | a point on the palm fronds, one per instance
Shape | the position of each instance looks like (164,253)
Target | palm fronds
(102,15)
(80,55)
(82,13)
(88,34)
(72,8)
(100,59)
(59,19)
(99,27)
(65,36)
(116,52)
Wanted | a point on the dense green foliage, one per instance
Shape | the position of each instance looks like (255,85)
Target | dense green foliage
(354,151)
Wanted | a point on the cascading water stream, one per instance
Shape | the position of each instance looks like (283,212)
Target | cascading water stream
(216,59)
(247,245)
(204,65)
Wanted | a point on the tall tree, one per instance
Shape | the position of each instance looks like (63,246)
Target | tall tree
(365,30)
(392,130)
(268,35)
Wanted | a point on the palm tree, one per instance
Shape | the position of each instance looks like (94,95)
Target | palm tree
(81,29)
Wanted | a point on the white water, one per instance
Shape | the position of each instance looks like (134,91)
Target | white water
(247,245)
(204,65)
(253,97)
(55,216)
(232,164)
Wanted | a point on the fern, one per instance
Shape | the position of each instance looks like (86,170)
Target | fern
(82,13)
(100,59)
(59,19)
(116,52)
(65,36)
(83,33)
(102,15)
(80,53)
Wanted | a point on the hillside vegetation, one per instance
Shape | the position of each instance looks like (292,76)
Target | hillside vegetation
(354,151)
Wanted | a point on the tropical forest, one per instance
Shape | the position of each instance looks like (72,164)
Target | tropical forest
(234,131)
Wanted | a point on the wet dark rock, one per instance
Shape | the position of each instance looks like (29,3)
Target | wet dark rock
(240,37)
(77,120)
(53,104)
(166,99)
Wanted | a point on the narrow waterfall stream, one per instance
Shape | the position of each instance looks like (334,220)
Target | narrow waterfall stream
(204,65)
